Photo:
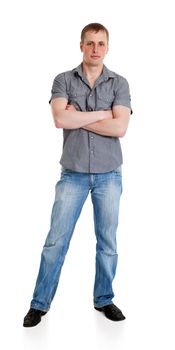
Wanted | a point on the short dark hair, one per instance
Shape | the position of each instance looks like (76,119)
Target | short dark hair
(94,27)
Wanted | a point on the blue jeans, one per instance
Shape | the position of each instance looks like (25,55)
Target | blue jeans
(71,193)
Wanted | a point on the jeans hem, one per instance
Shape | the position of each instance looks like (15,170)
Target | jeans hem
(37,307)
(102,305)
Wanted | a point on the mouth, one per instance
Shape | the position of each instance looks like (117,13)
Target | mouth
(95,57)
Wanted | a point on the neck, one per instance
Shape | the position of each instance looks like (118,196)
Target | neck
(92,72)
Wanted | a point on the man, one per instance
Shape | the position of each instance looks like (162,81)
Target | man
(92,105)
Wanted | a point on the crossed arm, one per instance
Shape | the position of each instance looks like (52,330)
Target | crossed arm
(108,123)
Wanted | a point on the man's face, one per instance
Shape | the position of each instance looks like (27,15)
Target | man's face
(94,47)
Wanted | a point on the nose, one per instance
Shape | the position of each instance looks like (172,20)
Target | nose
(95,48)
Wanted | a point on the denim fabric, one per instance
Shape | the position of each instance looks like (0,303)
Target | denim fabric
(71,192)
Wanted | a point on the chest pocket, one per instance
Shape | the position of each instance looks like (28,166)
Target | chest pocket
(104,101)
(78,99)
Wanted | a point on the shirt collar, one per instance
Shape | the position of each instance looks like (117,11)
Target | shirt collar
(106,73)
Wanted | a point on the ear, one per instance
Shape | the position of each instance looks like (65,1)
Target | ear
(81,46)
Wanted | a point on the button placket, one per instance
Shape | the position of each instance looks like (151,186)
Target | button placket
(90,102)
(91,143)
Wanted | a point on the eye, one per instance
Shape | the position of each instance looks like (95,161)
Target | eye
(101,43)
(89,43)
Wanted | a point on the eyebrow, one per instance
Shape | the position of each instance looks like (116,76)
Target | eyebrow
(91,41)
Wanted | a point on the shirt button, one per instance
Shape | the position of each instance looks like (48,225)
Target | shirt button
(92,137)
(90,95)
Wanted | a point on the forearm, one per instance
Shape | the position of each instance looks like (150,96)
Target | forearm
(72,119)
(112,127)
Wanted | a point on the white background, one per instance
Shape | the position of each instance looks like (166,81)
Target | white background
(40,39)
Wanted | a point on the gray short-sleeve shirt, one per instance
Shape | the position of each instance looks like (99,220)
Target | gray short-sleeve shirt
(85,151)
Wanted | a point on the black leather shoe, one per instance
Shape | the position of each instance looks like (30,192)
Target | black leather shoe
(33,317)
(112,312)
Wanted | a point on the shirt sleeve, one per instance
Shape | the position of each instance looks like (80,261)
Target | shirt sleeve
(59,87)
(122,96)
